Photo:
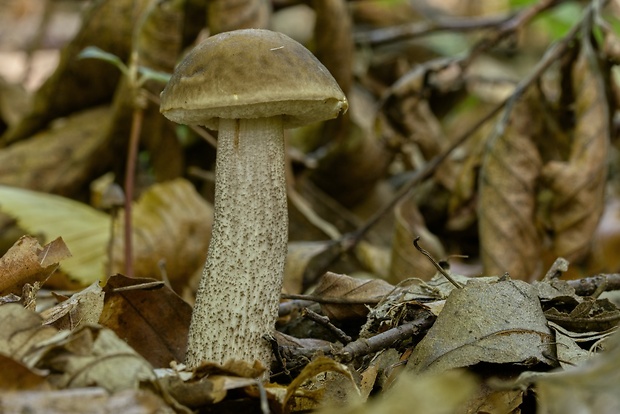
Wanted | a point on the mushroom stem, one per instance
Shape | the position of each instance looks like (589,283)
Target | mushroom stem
(245,262)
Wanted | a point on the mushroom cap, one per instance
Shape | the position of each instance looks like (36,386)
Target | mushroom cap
(251,74)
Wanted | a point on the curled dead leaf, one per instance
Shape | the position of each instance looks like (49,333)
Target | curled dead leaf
(27,262)
(333,285)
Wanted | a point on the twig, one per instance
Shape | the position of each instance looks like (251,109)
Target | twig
(589,285)
(365,346)
(326,323)
(386,35)
(335,300)
(130,171)
(434,262)
(288,307)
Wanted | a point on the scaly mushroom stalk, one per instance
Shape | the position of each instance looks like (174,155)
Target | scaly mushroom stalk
(250,84)
(248,245)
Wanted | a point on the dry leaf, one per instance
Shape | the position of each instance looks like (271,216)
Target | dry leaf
(498,322)
(509,240)
(59,159)
(171,223)
(578,184)
(333,285)
(28,262)
(16,376)
(209,383)
(91,356)
(77,84)
(226,15)
(322,382)
(84,229)
(154,322)
(90,400)
(407,262)
(304,261)
(419,394)
(83,307)
(22,331)
(353,162)
(591,387)
(334,41)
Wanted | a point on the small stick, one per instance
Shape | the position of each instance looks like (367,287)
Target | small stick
(384,340)
(336,300)
(434,262)
(326,323)
(589,285)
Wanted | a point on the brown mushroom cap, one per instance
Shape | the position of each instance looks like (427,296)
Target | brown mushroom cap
(251,74)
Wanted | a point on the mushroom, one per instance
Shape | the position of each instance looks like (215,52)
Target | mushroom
(249,85)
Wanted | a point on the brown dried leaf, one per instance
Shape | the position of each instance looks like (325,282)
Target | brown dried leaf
(91,356)
(171,222)
(227,15)
(82,308)
(333,285)
(17,376)
(310,390)
(578,184)
(154,322)
(77,84)
(334,42)
(498,322)
(407,262)
(590,387)
(21,331)
(28,262)
(418,394)
(91,400)
(509,240)
(304,261)
(58,160)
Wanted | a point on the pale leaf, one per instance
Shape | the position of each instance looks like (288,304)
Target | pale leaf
(84,229)
(509,241)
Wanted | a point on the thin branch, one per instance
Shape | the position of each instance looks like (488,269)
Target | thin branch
(384,340)
(327,324)
(434,262)
(332,300)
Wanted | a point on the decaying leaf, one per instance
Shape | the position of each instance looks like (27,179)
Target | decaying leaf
(589,315)
(590,387)
(83,307)
(497,322)
(304,260)
(28,262)
(91,400)
(209,383)
(91,356)
(578,183)
(22,331)
(323,382)
(60,159)
(171,224)
(418,394)
(16,376)
(78,84)
(334,40)
(407,262)
(569,353)
(333,285)
(153,321)
(509,240)
(84,229)
(225,15)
